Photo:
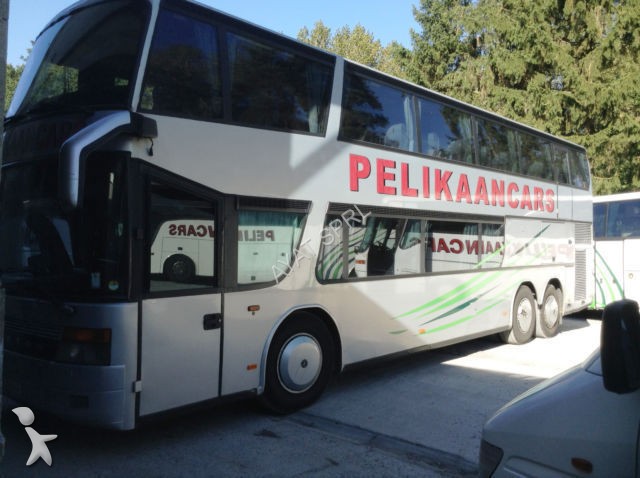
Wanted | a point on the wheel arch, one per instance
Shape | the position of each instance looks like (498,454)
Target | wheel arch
(533,290)
(317,311)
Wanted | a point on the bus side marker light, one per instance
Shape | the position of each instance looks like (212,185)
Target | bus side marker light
(252,366)
(253,309)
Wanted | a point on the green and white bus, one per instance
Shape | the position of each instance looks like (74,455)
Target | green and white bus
(616,230)
(401,219)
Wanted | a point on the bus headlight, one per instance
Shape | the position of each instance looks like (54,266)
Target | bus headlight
(85,346)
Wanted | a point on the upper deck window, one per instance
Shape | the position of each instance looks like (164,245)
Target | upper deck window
(86,60)
(274,88)
(376,113)
(445,132)
(200,67)
(183,77)
(388,115)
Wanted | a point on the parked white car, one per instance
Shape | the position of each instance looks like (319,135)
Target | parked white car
(583,422)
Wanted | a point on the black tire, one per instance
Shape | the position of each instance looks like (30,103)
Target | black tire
(550,312)
(523,318)
(179,268)
(300,363)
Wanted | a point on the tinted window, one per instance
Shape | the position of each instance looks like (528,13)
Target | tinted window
(579,168)
(452,246)
(183,230)
(497,146)
(623,219)
(85,60)
(387,246)
(445,132)
(268,245)
(183,77)
(377,113)
(273,88)
(536,156)
(560,165)
(599,219)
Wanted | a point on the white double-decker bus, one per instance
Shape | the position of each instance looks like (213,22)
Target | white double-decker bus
(616,230)
(332,215)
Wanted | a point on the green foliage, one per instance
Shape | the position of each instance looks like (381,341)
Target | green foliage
(358,45)
(569,67)
(13,75)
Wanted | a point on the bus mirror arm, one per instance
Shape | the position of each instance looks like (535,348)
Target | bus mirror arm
(75,149)
(620,346)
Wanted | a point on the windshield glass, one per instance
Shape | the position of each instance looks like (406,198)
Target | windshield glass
(73,253)
(85,60)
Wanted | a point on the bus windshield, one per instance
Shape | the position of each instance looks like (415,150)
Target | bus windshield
(86,60)
(75,252)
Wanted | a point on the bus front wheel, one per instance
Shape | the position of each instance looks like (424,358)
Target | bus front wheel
(300,363)
(523,322)
(551,312)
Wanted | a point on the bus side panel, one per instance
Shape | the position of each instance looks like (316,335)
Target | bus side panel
(631,261)
(382,317)
(545,250)
(609,279)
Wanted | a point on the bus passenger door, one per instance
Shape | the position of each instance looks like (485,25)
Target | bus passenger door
(182,307)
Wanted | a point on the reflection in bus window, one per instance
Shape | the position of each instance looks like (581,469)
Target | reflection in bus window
(273,88)
(445,132)
(183,76)
(497,146)
(622,219)
(183,246)
(560,164)
(599,219)
(377,113)
(408,254)
(451,246)
(268,242)
(536,154)
(491,245)
(579,168)
(377,253)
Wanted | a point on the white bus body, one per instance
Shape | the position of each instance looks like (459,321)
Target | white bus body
(617,241)
(224,138)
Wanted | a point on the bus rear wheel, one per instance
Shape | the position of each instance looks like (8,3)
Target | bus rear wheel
(551,312)
(300,364)
(523,322)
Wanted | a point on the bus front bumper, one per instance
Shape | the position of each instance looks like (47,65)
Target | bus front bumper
(92,395)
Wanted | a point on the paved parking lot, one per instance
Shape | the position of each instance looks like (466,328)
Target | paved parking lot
(417,416)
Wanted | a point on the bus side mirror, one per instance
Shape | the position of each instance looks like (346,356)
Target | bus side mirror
(620,346)
(75,148)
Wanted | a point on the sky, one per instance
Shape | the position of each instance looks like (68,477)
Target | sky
(386,21)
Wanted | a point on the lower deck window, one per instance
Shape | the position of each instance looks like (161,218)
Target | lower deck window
(396,246)
(267,244)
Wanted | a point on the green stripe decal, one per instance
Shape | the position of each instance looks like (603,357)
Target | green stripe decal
(491,286)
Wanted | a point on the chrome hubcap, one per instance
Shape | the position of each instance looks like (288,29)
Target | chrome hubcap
(299,363)
(551,312)
(524,315)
